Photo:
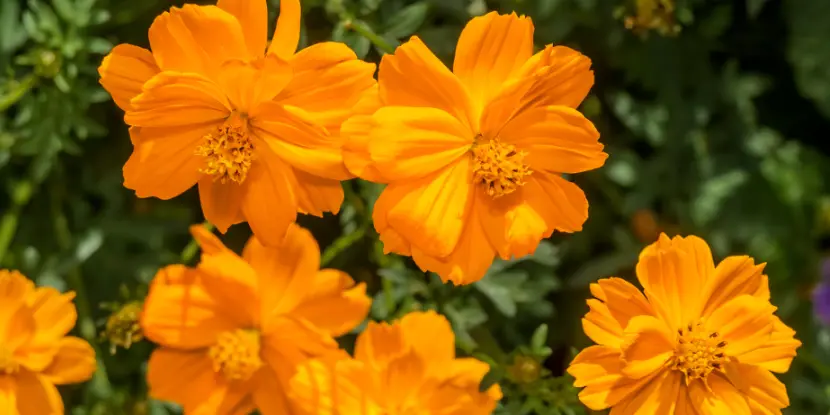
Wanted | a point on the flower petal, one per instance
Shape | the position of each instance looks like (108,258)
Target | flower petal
(269,204)
(659,396)
(8,397)
(164,163)
(764,392)
(599,370)
(430,336)
(174,99)
(647,346)
(124,71)
(269,396)
(222,202)
(490,50)
(557,139)
(380,343)
(734,276)
(180,313)
(414,77)
(54,314)
(407,142)
(252,16)
(291,134)
(249,84)
(316,195)
(36,395)
(233,284)
(328,82)
(335,305)
(73,363)
(776,353)
(356,133)
(287,33)
(720,398)
(431,212)
(745,323)
(621,302)
(196,39)
(187,378)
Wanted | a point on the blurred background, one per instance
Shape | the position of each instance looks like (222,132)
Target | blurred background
(715,115)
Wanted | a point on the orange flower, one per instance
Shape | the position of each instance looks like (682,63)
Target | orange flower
(35,352)
(233,330)
(408,367)
(474,157)
(258,132)
(703,340)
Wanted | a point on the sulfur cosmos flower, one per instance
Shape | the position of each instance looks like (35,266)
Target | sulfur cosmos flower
(405,368)
(257,130)
(35,352)
(702,341)
(232,330)
(474,157)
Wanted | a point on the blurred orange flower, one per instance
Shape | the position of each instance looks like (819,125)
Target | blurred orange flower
(408,367)
(258,132)
(703,340)
(35,352)
(233,330)
(474,157)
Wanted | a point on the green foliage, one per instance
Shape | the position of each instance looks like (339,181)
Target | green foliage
(715,130)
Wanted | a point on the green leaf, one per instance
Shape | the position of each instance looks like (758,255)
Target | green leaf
(500,296)
(11,35)
(807,49)
(540,338)
(359,44)
(406,21)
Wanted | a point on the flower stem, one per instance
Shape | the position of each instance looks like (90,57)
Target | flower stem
(21,194)
(341,244)
(192,247)
(364,30)
(20,89)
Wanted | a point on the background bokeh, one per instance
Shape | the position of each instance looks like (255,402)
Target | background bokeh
(715,114)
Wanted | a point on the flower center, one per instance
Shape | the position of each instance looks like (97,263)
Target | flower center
(698,352)
(499,166)
(8,365)
(236,354)
(228,151)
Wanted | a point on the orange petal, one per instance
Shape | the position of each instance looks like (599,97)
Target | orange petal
(334,305)
(270,205)
(187,378)
(599,370)
(172,99)
(252,17)
(734,276)
(180,313)
(647,346)
(621,302)
(316,195)
(556,139)
(764,392)
(73,363)
(233,284)
(312,388)
(196,39)
(296,339)
(431,212)
(407,143)
(356,137)
(54,316)
(430,336)
(36,395)
(250,84)
(164,163)
(600,326)
(720,397)
(414,77)
(285,271)
(470,259)
(745,323)
(269,395)
(222,202)
(659,396)
(328,82)
(401,377)
(291,134)
(208,242)
(8,398)
(490,50)
(381,343)
(777,353)
(124,71)
(287,33)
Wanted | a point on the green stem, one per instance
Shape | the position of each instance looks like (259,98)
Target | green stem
(21,195)
(192,247)
(341,244)
(364,30)
(20,90)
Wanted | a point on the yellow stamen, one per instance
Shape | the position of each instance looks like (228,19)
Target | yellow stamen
(698,352)
(228,151)
(123,328)
(500,167)
(236,354)
(8,365)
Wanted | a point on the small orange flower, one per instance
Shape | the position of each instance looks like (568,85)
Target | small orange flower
(233,330)
(408,367)
(474,157)
(703,340)
(258,132)
(35,352)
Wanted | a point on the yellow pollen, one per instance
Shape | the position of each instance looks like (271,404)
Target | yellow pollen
(698,352)
(499,166)
(228,152)
(236,354)
(8,365)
